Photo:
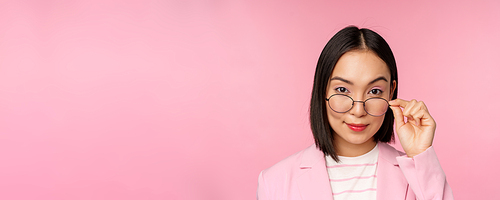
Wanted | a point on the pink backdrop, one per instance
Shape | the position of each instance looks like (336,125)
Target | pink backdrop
(192,99)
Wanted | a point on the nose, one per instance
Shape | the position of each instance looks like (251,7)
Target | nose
(358,109)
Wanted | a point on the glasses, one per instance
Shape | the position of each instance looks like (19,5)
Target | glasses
(341,103)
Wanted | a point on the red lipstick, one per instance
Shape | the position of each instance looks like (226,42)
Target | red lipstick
(357,127)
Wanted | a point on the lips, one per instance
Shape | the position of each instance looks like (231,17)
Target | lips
(357,127)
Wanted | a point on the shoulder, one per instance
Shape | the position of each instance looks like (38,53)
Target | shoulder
(389,153)
(390,149)
(292,163)
(275,181)
(289,163)
(284,175)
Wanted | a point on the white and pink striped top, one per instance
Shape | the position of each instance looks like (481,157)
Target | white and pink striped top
(354,177)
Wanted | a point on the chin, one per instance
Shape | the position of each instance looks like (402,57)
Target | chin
(359,141)
(357,138)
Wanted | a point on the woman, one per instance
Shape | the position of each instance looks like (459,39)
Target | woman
(353,109)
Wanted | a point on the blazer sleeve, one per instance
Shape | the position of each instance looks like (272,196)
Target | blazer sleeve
(425,176)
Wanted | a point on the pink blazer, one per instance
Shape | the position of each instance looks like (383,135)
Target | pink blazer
(304,176)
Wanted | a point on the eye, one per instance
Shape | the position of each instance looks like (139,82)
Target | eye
(376,91)
(341,90)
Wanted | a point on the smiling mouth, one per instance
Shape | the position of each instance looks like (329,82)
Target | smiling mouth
(357,127)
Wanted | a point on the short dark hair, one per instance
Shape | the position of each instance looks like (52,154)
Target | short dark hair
(348,39)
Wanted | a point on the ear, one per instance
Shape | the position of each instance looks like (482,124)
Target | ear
(393,88)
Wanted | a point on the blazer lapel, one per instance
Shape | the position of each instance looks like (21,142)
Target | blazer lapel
(391,183)
(313,178)
(313,181)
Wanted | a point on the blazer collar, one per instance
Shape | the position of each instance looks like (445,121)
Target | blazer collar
(312,155)
(313,180)
(388,153)
(391,183)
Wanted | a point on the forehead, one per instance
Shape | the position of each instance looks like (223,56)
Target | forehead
(361,66)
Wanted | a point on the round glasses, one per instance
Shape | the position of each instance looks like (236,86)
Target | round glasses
(341,103)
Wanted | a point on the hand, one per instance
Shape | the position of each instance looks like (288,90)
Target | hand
(417,133)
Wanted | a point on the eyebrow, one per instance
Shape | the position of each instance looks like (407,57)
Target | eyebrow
(350,83)
(341,79)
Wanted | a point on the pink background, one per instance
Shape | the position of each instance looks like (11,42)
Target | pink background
(192,99)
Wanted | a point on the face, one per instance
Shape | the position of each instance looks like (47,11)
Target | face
(359,74)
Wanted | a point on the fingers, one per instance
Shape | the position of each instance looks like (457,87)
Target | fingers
(418,116)
(398,116)
(398,102)
(412,107)
(404,104)
(414,110)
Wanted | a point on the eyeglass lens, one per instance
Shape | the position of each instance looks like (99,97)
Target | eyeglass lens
(342,103)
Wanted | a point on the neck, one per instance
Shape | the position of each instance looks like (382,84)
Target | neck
(353,150)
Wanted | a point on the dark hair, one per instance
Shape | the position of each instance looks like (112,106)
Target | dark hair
(348,39)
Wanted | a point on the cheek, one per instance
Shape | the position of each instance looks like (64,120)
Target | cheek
(377,122)
(334,117)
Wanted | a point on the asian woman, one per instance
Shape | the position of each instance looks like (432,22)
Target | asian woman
(353,112)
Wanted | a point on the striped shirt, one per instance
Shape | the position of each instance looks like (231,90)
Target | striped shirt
(354,177)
